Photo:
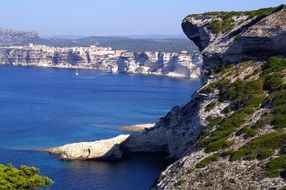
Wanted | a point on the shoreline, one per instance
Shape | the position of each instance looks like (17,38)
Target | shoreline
(137,128)
(71,67)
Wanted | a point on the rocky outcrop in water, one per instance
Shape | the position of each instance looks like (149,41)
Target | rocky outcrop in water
(179,65)
(100,150)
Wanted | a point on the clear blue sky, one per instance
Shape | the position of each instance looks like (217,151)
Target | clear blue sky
(112,17)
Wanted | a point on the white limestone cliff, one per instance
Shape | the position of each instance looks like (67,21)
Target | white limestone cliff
(178,65)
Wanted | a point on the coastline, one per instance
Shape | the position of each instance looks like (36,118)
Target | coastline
(88,68)
(137,128)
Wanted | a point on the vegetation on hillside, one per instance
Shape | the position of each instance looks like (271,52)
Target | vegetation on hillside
(23,178)
(247,96)
(224,20)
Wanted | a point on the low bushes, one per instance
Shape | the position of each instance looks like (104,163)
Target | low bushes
(206,161)
(261,147)
(276,167)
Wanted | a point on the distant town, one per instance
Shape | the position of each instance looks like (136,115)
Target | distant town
(179,65)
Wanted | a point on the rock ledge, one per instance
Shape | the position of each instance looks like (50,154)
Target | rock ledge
(102,149)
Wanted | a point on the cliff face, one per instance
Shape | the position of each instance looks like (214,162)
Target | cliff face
(231,135)
(180,128)
(238,36)
(181,65)
(173,134)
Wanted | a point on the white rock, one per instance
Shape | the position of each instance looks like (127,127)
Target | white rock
(102,149)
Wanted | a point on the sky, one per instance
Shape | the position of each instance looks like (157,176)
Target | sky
(112,17)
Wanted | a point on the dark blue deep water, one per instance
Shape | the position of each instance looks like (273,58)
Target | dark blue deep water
(42,107)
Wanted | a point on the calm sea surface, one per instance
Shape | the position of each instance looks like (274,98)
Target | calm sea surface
(41,108)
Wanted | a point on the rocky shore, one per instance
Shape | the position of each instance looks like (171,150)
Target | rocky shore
(137,128)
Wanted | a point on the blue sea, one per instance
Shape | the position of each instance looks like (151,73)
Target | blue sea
(44,107)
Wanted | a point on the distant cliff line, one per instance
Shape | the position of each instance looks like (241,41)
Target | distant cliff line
(177,65)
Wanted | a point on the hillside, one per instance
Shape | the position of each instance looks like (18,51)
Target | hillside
(139,45)
(13,37)
(238,137)
(176,45)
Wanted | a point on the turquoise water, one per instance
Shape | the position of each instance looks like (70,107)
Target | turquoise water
(42,107)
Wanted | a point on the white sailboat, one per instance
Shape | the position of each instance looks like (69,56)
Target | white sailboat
(76,72)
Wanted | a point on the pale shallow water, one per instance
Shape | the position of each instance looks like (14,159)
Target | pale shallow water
(43,107)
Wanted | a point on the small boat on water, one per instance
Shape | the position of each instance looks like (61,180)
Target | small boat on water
(76,72)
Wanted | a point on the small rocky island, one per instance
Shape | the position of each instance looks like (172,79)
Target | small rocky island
(231,135)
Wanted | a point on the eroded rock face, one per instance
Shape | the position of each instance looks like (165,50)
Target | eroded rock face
(250,37)
(102,149)
(173,134)
(178,65)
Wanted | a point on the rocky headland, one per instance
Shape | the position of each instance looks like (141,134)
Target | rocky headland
(231,135)
(101,149)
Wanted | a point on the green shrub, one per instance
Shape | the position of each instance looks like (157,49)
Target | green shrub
(274,167)
(218,145)
(279,98)
(234,121)
(273,82)
(206,161)
(247,131)
(279,112)
(226,153)
(261,147)
(279,121)
(242,92)
(216,26)
(221,26)
(274,64)
(23,178)
(221,84)
(213,121)
(218,139)
(260,13)
(264,120)
(255,13)
(226,22)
